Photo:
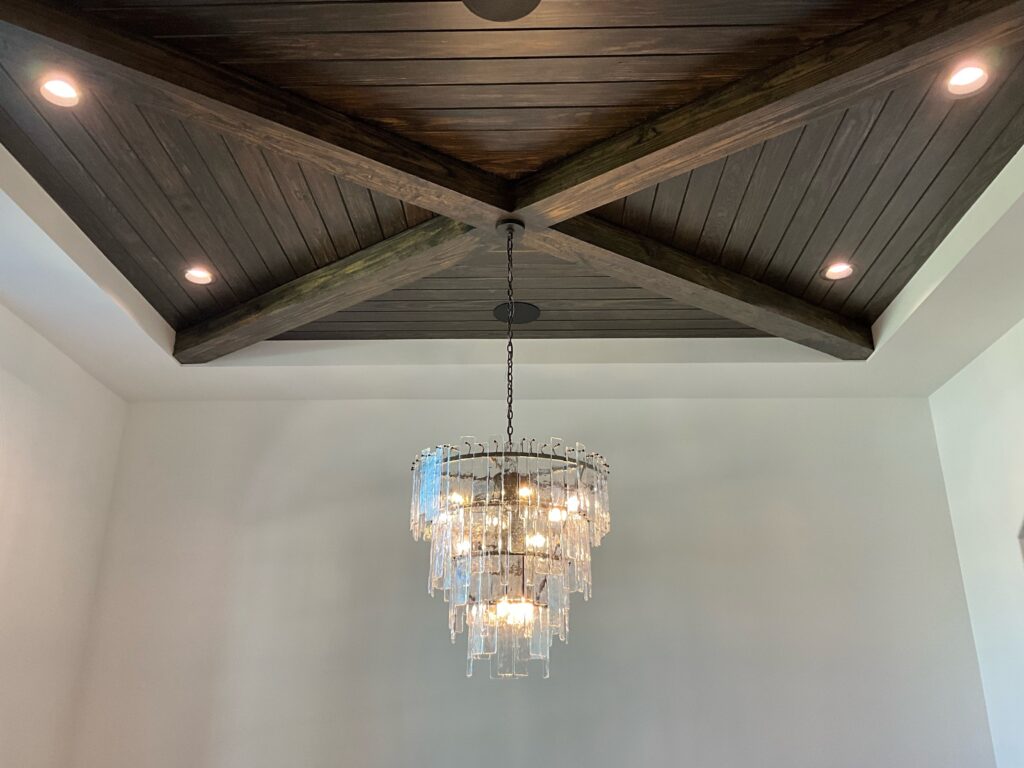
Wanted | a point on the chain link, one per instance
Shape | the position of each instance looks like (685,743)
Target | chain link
(511,316)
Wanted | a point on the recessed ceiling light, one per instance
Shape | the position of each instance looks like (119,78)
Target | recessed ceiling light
(60,91)
(838,271)
(199,275)
(966,79)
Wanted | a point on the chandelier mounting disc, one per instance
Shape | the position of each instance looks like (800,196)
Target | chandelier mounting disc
(501,10)
(524,313)
(510,222)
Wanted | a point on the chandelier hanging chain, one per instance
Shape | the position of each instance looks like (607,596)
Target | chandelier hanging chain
(511,316)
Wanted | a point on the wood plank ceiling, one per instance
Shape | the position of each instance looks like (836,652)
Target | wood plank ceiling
(877,183)
(509,97)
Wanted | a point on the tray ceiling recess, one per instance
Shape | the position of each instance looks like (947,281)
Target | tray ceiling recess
(696,169)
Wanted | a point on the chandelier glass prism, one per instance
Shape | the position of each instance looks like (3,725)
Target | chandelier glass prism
(511,523)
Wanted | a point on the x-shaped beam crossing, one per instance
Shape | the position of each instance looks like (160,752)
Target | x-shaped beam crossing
(554,201)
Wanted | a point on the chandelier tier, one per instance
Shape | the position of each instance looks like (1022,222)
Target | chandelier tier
(511,524)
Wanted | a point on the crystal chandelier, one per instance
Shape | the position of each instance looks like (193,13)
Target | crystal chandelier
(510,525)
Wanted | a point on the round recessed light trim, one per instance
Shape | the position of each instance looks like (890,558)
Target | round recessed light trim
(524,313)
(838,271)
(501,10)
(60,91)
(199,275)
(967,79)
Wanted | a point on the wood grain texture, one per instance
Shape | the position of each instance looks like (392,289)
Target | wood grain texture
(402,259)
(359,151)
(691,280)
(768,103)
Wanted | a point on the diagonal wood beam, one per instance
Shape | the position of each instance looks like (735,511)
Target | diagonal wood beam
(408,256)
(666,271)
(777,99)
(361,152)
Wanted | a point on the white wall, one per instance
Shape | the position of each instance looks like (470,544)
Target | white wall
(59,437)
(979,423)
(780,589)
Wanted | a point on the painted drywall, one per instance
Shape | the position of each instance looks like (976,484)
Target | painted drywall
(780,589)
(59,437)
(979,424)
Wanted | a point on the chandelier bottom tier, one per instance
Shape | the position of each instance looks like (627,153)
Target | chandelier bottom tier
(510,526)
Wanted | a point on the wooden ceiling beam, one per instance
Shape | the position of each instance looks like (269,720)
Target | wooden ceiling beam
(415,253)
(361,152)
(777,99)
(669,272)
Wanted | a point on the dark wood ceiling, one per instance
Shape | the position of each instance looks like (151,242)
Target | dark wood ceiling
(159,193)
(508,97)
(877,185)
(160,180)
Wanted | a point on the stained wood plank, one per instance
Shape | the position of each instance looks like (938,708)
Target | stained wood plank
(772,165)
(327,197)
(358,99)
(534,118)
(769,103)
(360,209)
(390,214)
(294,189)
(499,43)
(693,281)
(252,163)
(636,213)
(415,215)
(403,259)
(729,195)
(706,69)
(668,202)
(700,194)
